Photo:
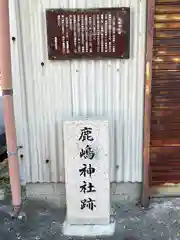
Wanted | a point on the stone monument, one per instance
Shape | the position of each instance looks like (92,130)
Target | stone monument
(86,154)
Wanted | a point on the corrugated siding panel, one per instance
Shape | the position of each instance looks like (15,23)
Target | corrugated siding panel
(112,89)
(18,90)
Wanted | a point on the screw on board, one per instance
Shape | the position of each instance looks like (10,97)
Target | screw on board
(124,11)
(42,64)
(47,161)
(21,156)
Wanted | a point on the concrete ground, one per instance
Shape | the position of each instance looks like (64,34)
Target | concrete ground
(160,221)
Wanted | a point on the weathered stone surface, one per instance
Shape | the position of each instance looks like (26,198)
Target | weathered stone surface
(86,145)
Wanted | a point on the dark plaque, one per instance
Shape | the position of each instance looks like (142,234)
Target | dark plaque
(91,33)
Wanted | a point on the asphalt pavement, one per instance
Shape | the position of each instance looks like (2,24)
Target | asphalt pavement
(160,221)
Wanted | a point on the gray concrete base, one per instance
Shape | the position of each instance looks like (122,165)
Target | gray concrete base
(88,230)
(54,193)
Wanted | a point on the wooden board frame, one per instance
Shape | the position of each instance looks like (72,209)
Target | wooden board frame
(145,196)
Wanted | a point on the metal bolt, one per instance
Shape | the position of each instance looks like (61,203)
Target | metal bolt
(13,39)
(42,64)
(117,167)
(47,161)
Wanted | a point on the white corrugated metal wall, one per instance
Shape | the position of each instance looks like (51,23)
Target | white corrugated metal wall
(44,96)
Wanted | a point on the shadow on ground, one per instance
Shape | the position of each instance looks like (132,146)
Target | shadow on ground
(160,221)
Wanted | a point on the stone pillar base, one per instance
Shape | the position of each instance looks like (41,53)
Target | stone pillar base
(88,230)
